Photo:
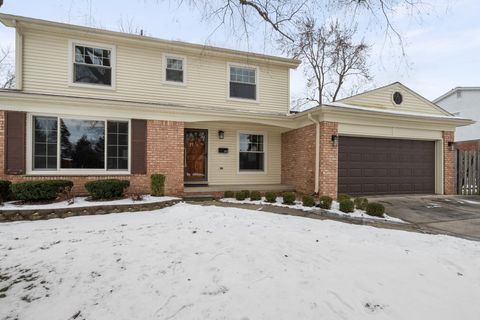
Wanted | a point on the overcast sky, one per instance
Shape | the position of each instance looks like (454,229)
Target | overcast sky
(442,47)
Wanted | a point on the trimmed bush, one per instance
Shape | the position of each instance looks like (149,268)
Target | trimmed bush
(107,189)
(346,205)
(240,195)
(375,209)
(271,197)
(255,196)
(325,202)
(360,203)
(157,185)
(228,194)
(288,198)
(342,197)
(44,190)
(308,201)
(247,193)
(4,190)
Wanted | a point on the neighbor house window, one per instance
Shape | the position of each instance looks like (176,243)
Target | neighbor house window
(174,71)
(252,154)
(243,82)
(82,144)
(92,65)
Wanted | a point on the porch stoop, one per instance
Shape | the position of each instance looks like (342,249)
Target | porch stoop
(206,193)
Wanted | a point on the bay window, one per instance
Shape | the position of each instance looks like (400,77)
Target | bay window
(252,152)
(67,144)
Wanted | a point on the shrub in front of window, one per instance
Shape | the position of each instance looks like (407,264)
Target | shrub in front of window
(107,189)
(46,190)
(347,205)
(228,194)
(157,185)
(375,209)
(289,198)
(247,193)
(325,202)
(271,197)
(255,196)
(342,197)
(240,195)
(360,203)
(308,201)
(4,190)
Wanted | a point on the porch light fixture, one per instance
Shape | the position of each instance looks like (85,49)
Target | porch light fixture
(221,134)
(334,140)
(451,145)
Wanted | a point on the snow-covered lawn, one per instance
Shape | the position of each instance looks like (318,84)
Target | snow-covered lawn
(298,205)
(82,202)
(197,262)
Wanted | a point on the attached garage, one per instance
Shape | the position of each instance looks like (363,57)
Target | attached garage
(385,166)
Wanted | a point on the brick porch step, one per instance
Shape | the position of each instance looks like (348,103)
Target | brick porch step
(199,197)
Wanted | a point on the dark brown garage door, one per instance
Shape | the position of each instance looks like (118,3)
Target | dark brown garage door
(385,166)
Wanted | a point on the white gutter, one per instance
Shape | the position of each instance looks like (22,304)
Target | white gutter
(317,150)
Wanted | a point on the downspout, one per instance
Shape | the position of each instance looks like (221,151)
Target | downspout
(317,150)
(18,56)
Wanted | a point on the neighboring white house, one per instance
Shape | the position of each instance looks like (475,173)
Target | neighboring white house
(463,102)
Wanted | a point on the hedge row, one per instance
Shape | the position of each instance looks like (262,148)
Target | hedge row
(49,190)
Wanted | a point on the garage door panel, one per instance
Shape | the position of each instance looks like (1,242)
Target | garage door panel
(385,166)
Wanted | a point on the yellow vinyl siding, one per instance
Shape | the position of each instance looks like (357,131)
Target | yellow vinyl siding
(139,73)
(223,168)
(382,98)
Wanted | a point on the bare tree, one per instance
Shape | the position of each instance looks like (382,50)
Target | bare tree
(128,25)
(281,15)
(330,56)
(7,69)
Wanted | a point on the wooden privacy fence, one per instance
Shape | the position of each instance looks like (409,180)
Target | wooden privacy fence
(468,172)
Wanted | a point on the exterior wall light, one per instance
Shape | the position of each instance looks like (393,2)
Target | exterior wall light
(451,145)
(334,140)
(221,134)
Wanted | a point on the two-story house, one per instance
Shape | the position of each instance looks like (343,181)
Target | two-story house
(464,102)
(91,104)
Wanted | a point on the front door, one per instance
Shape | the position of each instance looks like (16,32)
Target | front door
(196,154)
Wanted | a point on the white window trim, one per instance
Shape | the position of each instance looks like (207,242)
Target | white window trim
(257,82)
(74,172)
(265,152)
(164,69)
(71,60)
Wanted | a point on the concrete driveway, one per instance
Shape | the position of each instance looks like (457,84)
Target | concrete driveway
(453,215)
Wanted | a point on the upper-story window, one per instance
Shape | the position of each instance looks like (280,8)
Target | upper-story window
(243,82)
(175,69)
(93,65)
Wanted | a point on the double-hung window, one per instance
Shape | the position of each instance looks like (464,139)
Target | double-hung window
(252,152)
(175,69)
(243,82)
(62,143)
(92,65)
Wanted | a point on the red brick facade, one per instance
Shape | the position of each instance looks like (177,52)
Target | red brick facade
(470,145)
(328,175)
(298,158)
(164,155)
(449,171)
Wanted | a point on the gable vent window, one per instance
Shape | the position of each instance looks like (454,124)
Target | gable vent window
(243,83)
(174,70)
(397,98)
(92,65)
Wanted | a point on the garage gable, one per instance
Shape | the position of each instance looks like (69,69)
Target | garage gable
(397,97)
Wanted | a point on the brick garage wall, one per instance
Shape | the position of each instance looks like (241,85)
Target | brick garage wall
(328,180)
(449,171)
(164,155)
(298,158)
(470,145)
